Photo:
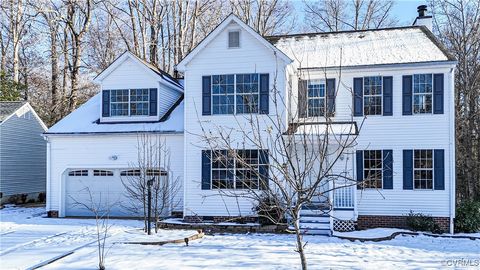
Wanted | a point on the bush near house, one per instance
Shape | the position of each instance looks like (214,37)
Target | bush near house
(269,212)
(467,217)
(422,222)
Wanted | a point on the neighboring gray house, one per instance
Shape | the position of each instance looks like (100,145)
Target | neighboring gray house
(23,153)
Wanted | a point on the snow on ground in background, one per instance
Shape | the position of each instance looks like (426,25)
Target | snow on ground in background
(370,233)
(220,251)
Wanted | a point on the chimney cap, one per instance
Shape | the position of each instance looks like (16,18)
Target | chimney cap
(422,9)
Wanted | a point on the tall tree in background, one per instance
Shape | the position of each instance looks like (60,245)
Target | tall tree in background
(457,24)
(338,15)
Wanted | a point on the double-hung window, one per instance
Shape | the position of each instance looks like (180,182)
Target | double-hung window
(372,168)
(316,98)
(235,93)
(372,95)
(129,102)
(423,169)
(235,169)
(422,93)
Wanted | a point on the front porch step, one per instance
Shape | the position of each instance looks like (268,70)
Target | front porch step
(314,213)
(325,232)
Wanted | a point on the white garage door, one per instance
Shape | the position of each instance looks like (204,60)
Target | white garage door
(102,189)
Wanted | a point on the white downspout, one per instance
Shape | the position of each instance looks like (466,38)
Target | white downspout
(49,182)
(452,149)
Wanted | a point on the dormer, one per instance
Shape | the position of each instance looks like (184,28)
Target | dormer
(135,91)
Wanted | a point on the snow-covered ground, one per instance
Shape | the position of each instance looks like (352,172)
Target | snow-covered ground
(27,239)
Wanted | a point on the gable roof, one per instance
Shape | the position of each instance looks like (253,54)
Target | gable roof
(7,108)
(156,72)
(400,45)
(84,120)
(229,19)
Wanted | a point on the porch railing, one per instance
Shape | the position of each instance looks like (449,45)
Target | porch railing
(343,197)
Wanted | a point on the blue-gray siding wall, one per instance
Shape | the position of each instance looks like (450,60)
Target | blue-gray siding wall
(23,155)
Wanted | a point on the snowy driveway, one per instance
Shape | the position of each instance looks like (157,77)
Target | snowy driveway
(27,239)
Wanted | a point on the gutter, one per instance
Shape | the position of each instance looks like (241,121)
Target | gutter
(51,134)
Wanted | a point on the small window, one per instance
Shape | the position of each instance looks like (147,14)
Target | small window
(135,172)
(222,169)
(372,95)
(234,39)
(423,169)
(422,93)
(372,168)
(316,98)
(156,172)
(78,173)
(102,173)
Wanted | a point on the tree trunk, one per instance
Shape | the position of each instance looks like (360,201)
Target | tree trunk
(299,238)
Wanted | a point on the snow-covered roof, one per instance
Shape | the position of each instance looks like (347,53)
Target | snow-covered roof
(7,108)
(162,75)
(85,120)
(413,44)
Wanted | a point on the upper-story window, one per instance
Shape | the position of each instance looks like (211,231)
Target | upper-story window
(316,98)
(372,95)
(234,39)
(235,93)
(129,102)
(422,93)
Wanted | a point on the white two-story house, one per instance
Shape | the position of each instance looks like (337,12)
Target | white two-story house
(391,89)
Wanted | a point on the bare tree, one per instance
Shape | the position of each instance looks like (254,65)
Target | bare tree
(78,19)
(457,24)
(101,212)
(287,160)
(153,162)
(337,15)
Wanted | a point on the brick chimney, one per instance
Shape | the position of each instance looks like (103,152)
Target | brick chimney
(423,18)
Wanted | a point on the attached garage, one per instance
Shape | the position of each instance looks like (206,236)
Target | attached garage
(104,190)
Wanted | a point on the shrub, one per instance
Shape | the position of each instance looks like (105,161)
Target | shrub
(41,197)
(467,218)
(269,211)
(422,222)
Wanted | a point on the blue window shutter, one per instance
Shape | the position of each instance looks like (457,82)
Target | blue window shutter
(105,103)
(206,169)
(359,158)
(407,94)
(387,169)
(302,98)
(263,169)
(388,96)
(407,169)
(439,169)
(438,92)
(357,96)
(153,101)
(206,95)
(331,97)
(264,93)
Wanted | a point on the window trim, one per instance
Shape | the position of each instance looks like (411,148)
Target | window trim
(239,37)
(234,169)
(234,94)
(430,169)
(376,169)
(320,82)
(129,103)
(421,94)
(381,96)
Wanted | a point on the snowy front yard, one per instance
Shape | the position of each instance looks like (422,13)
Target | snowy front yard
(28,239)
